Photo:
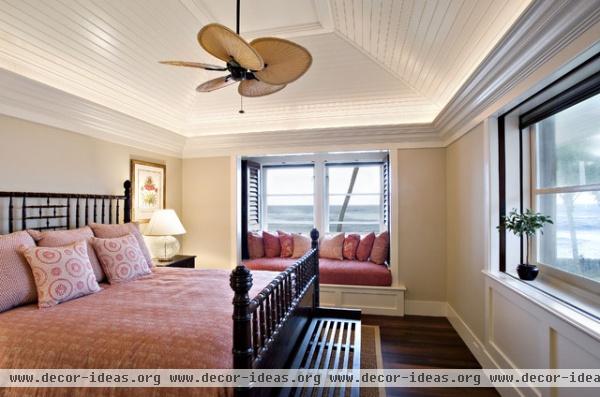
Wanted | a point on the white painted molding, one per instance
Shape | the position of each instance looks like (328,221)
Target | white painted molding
(425,308)
(33,101)
(544,29)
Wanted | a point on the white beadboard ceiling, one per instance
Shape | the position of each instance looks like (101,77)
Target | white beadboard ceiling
(376,62)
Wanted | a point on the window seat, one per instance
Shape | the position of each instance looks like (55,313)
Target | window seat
(332,271)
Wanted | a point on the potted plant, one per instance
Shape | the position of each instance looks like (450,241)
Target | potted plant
(525,224)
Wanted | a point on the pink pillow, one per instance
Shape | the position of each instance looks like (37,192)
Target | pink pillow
(256,248)
(121,258)
(119,230)
(364,247)
(16,280)
(272,245)
(380,250)
(60,238)
(332,247)
(287,244)
(61,273)
(302,244)
(350,246)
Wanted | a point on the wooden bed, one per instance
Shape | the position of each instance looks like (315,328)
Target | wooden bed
(282,326)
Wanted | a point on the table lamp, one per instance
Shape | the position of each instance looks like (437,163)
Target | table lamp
(166,224)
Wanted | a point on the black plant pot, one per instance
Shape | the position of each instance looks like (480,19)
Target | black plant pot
(527,272)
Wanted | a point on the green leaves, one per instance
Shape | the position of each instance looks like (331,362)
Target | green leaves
(527,223)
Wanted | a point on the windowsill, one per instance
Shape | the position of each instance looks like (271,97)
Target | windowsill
(532,291)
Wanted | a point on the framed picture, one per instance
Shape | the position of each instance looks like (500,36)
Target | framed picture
(148,182)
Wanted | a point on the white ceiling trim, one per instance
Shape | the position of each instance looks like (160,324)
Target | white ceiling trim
(30,100)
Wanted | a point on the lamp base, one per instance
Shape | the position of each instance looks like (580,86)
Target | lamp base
(164,248)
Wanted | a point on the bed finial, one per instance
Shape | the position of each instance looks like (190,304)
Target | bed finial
(314,236)
(240,281)
(127,202)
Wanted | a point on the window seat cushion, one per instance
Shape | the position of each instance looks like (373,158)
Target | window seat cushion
(332,271)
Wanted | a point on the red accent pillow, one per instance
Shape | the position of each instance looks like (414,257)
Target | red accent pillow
(256,248)
(350,246)
(381,248)
(272,245)
(121,258)
(61,273)
(287,244)
(364,247)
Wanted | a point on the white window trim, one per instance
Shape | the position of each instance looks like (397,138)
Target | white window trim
(574,283)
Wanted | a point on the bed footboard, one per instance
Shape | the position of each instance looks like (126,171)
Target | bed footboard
(267,327)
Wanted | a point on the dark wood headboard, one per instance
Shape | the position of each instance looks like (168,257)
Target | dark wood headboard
(54,211)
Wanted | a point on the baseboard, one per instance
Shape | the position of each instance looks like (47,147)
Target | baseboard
(478,349)
(425,308)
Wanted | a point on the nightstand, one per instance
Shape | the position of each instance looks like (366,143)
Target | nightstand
(186,261)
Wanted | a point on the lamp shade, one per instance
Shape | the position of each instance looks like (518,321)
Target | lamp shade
(164,223)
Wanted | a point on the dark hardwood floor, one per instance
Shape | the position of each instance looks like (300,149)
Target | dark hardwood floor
(424,342)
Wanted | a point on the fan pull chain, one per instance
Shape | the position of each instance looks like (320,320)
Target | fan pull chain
(241,111)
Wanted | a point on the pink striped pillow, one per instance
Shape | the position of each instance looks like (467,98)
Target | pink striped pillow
(61,273)
(256,248)
(302,245)
(287,244)
(119,230)
(60,238)
(121,258)
(272,245)
(332,247)
(381,248)
(17,286)
(364,247)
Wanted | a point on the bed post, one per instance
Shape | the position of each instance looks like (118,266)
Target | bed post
(127,202)
(314,235)
(241,282)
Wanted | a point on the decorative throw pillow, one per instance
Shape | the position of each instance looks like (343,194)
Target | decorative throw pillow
(350,246)
(364,247)
(301,245)
(381,247)
(16,280)
(121,258)
(119,230)
(272,245)
(332,247)
(287,244)
(60,238)
(61,273)
(256,248)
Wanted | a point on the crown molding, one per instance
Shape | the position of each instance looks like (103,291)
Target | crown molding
(350,138)
(538,35)
(33,101)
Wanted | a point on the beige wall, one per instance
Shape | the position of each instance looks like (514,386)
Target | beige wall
(465,252)
(35,157)
(421,188)
(207,211)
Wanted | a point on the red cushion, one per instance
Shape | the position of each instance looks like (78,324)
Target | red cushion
(332,271)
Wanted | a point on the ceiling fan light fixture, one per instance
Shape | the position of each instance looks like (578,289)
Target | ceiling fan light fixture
(224,44)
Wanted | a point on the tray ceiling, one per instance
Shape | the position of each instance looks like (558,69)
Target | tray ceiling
(376,62)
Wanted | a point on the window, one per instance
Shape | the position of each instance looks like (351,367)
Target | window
(289,194)
(354,198)
(566,186)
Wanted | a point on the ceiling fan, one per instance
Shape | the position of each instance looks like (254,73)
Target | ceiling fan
(262,67)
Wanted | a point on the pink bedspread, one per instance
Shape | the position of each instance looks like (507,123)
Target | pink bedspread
(173,318)
(332,271)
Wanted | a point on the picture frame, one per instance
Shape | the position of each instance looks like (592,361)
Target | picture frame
(148,189)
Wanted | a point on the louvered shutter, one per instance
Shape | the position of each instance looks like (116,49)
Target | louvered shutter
(251,202)
(386,193)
